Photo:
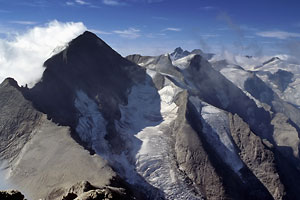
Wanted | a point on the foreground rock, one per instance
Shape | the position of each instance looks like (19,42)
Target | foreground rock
(85,191)
(11,195)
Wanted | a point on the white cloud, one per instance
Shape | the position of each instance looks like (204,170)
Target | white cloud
(81,2)
(278,34)
(130,33)
(70,3)
(172,29)
(24,22)
(113,3)
(22,57)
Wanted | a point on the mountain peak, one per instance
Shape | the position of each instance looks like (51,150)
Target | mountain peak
(178,50)
(179,53)
(89,41)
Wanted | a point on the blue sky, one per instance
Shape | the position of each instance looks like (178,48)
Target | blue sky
(153,27)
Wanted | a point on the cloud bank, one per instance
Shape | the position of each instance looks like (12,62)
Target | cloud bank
(278,34)
(22,57)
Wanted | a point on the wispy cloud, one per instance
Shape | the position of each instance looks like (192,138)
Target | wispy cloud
(172,29)
(233,26)
(70,3)
(113,3)
(24,22)
(209,35)
(130,33)
(278,34)
(81,2)
(155,35)
(96,31)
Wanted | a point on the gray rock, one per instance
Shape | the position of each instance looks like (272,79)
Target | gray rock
(18,119)
(257,156)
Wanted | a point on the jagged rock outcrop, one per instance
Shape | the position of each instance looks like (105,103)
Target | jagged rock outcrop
(85,191)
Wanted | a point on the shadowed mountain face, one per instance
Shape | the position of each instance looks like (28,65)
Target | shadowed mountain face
(147,127)
(90,65)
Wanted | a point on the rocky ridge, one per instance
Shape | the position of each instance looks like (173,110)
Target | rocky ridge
(147,127)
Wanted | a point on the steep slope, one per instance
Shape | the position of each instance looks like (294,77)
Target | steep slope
(42,157)
(18,119)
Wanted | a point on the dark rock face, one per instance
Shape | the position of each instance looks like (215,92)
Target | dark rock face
(90,65)
(282,79)
(11,195)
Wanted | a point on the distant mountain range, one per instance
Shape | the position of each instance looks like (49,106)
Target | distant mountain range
(176,126)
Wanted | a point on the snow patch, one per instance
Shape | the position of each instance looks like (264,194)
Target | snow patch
(148,118)
(91,126)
